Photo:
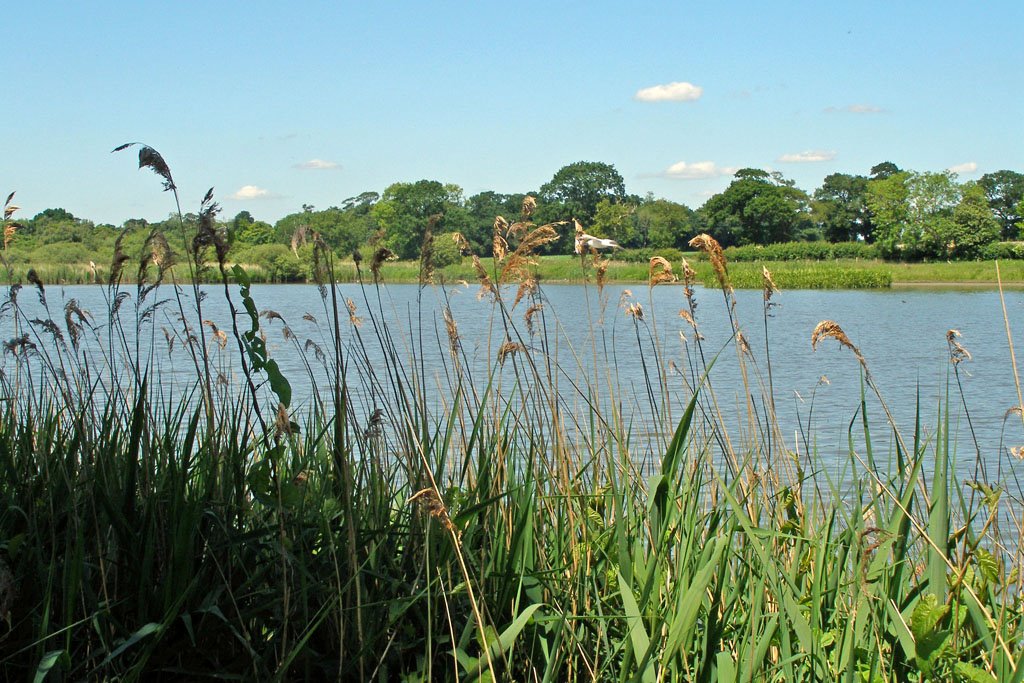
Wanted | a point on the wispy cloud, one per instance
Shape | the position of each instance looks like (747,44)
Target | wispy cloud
(318,165)
(679,91)
(855,109)
(252,192)
(966,167)
(697,170)
(808,156)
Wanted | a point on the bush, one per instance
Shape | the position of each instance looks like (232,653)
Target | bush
(644,255)
(801,251)
(1002,250)
(277,261)
(446,251)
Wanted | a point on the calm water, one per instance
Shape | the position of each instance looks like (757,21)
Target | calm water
(902,334)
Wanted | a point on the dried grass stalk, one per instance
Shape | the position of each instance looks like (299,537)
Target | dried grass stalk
(509,348)
(429,500)
(659,271)
(529,206)
(710,246)
(830,329)
(379,257)
(769,284)
(957,352)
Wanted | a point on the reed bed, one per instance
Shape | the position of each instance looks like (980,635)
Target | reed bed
(494,523)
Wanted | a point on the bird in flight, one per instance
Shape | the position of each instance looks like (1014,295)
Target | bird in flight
(589,242)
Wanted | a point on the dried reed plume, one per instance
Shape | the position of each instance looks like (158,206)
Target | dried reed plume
(462,243)
(769,284)
(499,243)
(659,271)
(529,205)
(452,328)
(75,329)
(120,258)
(486,284)
(427,251)
(635,311)
(530,313)
(9,208)
(528,287)
(431,503)
(379,257)
(9,227)
(299,238)
(517,266)
(33,277)
(352,317)
(957,352)
(219,335)
(710,246)
(600,272)
(509,348)
(151,159)
(830,329)
(209,233)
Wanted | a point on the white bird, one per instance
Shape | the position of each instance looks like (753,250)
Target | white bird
(583,240)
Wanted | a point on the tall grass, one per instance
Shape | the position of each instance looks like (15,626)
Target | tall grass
(496,522)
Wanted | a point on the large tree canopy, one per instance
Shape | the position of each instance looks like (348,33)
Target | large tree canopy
(405,210)
(1004,191)
(841,210)
(576,189)
(756,208)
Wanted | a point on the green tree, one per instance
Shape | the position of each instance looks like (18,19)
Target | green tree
(666,223)
(577,189)
(914,213)
(617,221)
(482,209)
(884,170)
(405,209)
(841,210)
(757,208)
(1004,191)
(973,225)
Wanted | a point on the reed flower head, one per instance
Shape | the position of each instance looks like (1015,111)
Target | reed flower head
(710,246)
(659,271)
(379,257)
(431,503)
(509,348)
(957,352)
(830,329)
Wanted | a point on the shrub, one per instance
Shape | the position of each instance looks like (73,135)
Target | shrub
(801,251)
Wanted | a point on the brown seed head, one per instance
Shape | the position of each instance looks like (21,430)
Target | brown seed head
(509,348)
(529,205)
(830,329)
(710,246)
(769,284)
(659,271)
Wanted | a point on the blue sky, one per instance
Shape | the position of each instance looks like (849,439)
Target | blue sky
(279,104)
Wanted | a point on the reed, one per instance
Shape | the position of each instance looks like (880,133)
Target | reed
(497,522)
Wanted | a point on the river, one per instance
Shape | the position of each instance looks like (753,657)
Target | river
(595,342)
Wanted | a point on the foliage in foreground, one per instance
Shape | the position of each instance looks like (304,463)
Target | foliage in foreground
(501,533)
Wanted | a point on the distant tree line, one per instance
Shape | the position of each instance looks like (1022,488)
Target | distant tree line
(908,215)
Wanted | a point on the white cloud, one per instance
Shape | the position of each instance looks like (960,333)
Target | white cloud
(679,91)
(967,167)
(855,109)
(808,156)
(318,165)
(250,192)
(697,170)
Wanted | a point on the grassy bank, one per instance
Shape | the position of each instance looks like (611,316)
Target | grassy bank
(838,274)
(213,533)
